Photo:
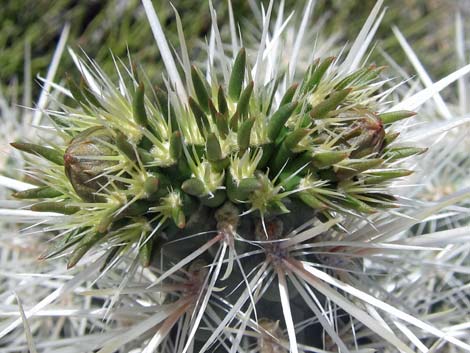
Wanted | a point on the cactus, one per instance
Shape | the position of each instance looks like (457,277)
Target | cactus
(130,158)
(225,187)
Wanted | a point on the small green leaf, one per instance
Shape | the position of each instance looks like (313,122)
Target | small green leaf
(289,95)
(393,154)
(48,153)
(237,76)
(138,106)
(293,138)
(318,73)
(222,101)
(279,118)
(244,133)
(200,88)
(44,192)
(244,101)
(213,149)
(356,75)
(285,151)
(289,181)
(325,159)
(384,175)
(351,167)
(329,104)
(212,109)
(222,124)
(391,117)
(57,207)
(239,192)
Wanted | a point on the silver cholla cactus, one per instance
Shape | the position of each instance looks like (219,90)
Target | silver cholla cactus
(222,188)
(142,169)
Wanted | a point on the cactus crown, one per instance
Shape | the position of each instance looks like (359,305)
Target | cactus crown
(139,162)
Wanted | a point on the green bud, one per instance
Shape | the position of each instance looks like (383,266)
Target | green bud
(285,151)
(390,137)
(355,76)
(239,192)
(212,109)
